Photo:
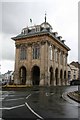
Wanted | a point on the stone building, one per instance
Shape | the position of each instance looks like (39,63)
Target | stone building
(73,72)
(41,56)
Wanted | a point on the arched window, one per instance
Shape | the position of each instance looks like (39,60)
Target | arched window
(36,52)
(22,53)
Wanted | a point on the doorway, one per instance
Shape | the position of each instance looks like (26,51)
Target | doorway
(51,75)
(35,75)
(22,74)
(56,76)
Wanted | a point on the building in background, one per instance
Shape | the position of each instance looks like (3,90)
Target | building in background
(77,65)
(8,77)
(40,57)
(73,72)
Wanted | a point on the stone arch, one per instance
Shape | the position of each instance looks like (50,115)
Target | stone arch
(51,74)
(35,75)
(22,75)
(56,76)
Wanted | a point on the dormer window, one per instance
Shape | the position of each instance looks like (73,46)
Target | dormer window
(37,29)
(59,37)
(24,31)
(55,34)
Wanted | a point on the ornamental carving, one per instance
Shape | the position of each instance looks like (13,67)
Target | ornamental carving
(18,46)
(29,44)
(21,45)
(43,42)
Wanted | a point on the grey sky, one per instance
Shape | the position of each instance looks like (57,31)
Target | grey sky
(61,14)
(78,31)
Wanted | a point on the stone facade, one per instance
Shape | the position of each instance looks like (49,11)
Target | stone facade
(45,65)
(73,72)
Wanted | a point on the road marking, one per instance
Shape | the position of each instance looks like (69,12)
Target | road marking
(14,99)
(49,94)
(31,108)
(65,97)
(17,106)
(33,111)
(1,99)
(28,96)
(7,108)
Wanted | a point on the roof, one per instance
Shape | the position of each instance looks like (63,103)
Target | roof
(76,64)
(44,29)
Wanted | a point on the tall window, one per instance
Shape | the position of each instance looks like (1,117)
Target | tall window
(65,60)
(56,55)
(36,52)
(22,53)
(61,58)
(50,50)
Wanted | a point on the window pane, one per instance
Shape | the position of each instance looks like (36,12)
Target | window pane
(22,54)
(36,52)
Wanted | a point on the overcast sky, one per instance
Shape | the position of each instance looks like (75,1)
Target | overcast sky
(61,14)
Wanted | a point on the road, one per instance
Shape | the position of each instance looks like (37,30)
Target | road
(39,103)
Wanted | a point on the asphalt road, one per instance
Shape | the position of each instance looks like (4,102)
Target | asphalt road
(39,103)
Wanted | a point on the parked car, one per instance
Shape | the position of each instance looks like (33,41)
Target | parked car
(75,82)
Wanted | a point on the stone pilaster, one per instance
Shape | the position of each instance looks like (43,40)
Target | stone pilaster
(42,63)
(63,81)
(46,62)
(63,76)
(54,79)
(16,74)
(16,77)
(59,81)
(66,81)
(29,58)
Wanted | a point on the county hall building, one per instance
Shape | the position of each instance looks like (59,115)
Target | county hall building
(40,57)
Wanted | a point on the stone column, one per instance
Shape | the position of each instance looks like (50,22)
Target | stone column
(16,74)
(63,69)
(59,80)
(46,62)
(16,77)
(66,81)
(62,65)
(28,81)
(54,80)
(42,63)
(63,76)
(29,58)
